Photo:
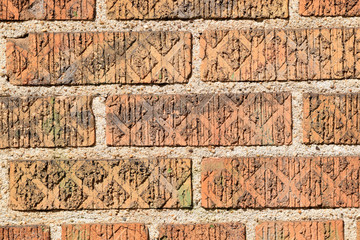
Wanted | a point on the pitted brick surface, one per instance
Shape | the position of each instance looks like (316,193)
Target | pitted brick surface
(25,233)
(326,8)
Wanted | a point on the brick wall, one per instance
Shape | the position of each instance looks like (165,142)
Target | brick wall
(187,119)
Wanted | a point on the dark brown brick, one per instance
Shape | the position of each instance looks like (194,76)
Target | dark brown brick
(329,8)
(25,233)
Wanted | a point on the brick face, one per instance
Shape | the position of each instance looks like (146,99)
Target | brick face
(329,8)
(99,58)
(185,9)
(216,231)
(270,55)
(117,231)
(46,122)
(314,230)
(318,182)
(25,233)
(100,184)
(199,120)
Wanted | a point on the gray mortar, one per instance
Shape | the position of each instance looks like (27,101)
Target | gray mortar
(154,218)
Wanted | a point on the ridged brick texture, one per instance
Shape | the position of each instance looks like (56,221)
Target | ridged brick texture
(278,54)
(216,231)
(199,120)
(46,122)
(13,10)
(99,58)
(331,118)
(280,182)
(125,231)
(187,9)
(100,184)
(326,8)
(25,233)
(314,230)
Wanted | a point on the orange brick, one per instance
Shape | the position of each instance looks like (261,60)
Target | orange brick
(282,182)
(46,122)
(280,55)
(47,10)
(329,8)
(100,184)
(216,231)
(199,120)
(314,230)
(117,231)
(99,58)
(187,9)
(25,233)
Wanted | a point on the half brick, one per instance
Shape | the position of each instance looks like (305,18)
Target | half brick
(282,182)
(99,58)
(329,8)
(199,120)
(25,233)
(100,184)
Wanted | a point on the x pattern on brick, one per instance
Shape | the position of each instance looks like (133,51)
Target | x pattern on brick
(100,184)
(281,182)
(323,8)
(199,120)
(100,58)
(25,233)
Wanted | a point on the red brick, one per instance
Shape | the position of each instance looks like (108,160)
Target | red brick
(280,55)
(314,230)
(199,120)
(329,8)
(216,231)
(185,9)
(47,10)
(46,122)
(25,233)
(282,182)
(117,231)
(100,184)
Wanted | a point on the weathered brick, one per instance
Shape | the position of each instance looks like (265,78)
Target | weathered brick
(15,10)
(187,9)
(117,231)
(278,54)
(99,58)
(332,8)
(100,184)
(199,120)
(358,231)
(46,122)
(294,182)
(314,230)
(331,118)
(216,231)
(25,233)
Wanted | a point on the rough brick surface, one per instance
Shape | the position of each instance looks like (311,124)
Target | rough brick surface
(325,8)
(25,233)
(314,230)
(269,55)
(199,120)
(117,231)
(15,10)
(280,182)
(216,231)
(46,122)
(331,119)
(185,9)
(100,184)
(99,58)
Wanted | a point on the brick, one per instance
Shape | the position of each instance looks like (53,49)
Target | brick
(185,9)
(314,230)
(216,231)
(280,182)
(199,120)
(46,122)
(100,184)
(99,58)
(25,233)
(329,8)
(14,10)
(280,55)
(331,118)
(117,231)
